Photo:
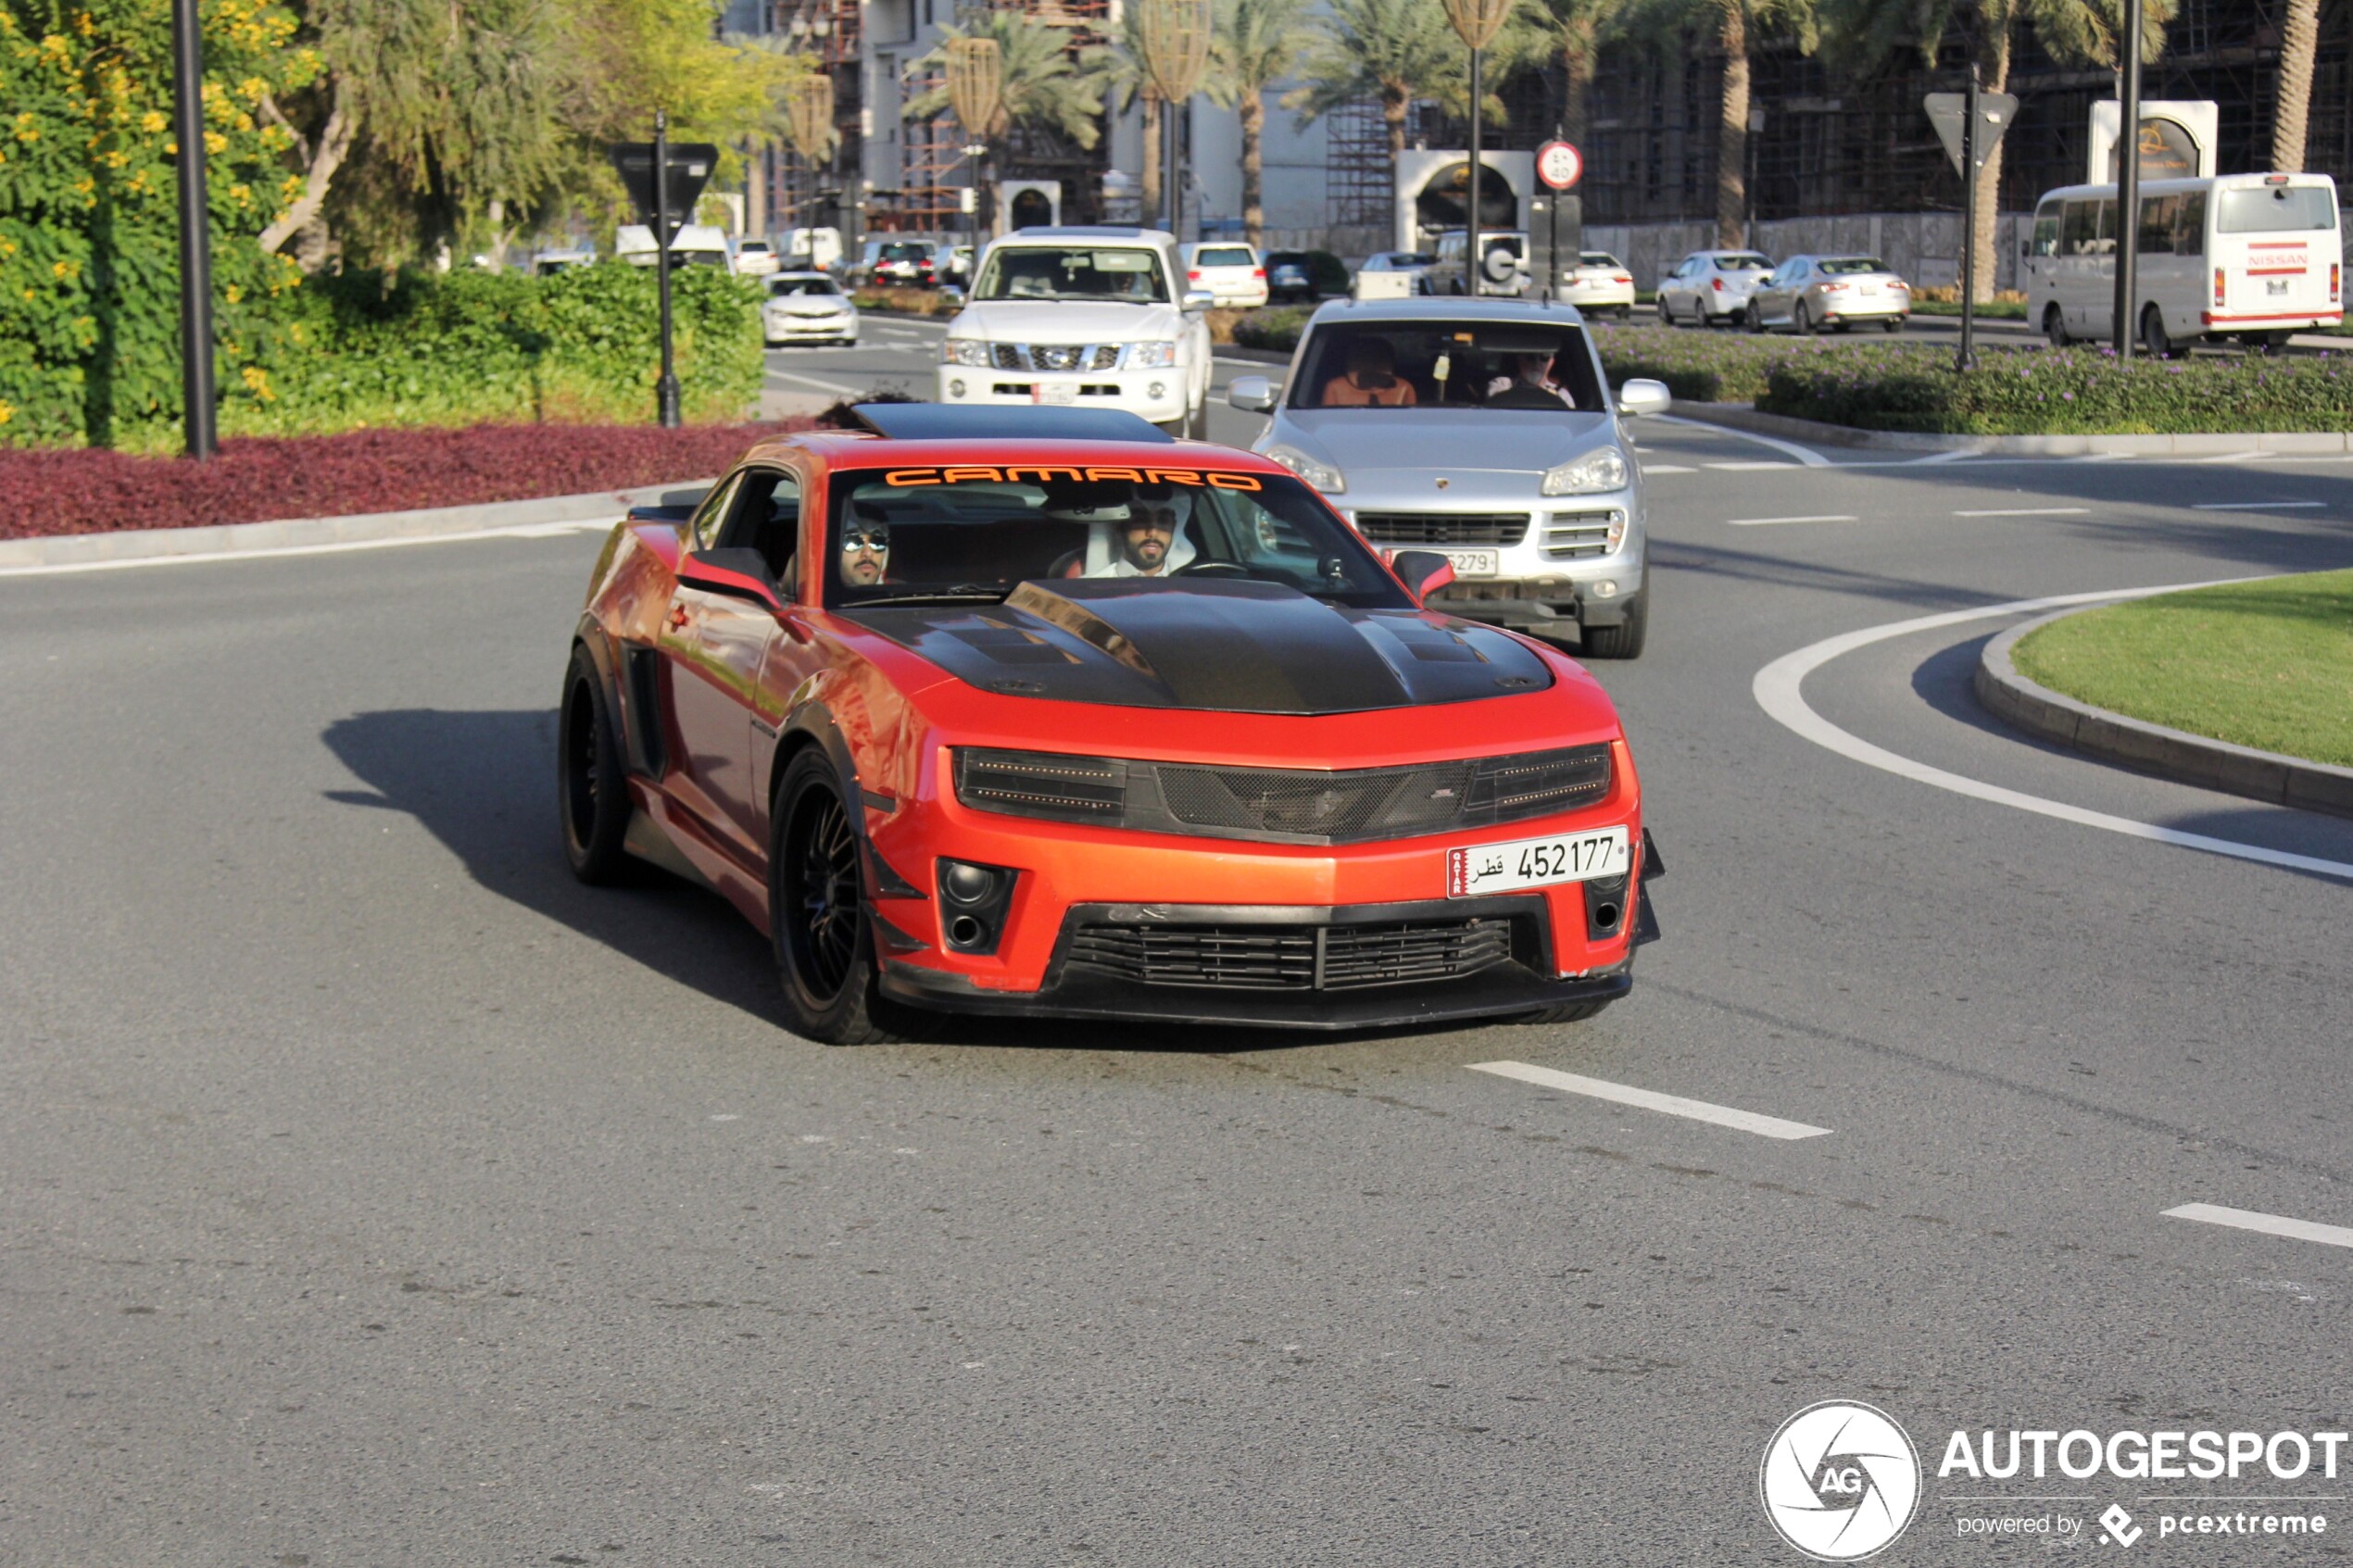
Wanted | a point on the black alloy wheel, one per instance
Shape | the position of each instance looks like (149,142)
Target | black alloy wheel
(590,796)
(817,913)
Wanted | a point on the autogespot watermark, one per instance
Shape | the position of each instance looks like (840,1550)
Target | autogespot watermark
(1840,1481)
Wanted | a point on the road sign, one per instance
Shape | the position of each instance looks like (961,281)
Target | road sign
(690,166)
(1559,165)
(1947,110)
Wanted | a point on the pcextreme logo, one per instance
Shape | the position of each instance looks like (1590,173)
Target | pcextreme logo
(1840,1481)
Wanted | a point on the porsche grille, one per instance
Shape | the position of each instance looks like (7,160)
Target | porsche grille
(1442,527)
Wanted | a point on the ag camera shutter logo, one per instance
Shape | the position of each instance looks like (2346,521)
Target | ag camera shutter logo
(1840,1481)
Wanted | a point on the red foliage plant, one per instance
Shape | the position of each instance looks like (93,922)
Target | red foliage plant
(263,479)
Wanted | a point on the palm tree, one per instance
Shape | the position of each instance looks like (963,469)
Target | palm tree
(1393,50)
(2299,41)
(1576,28)
(1046,81)
(1257,44)
(2071,31)
(1734,26)
(1125,81)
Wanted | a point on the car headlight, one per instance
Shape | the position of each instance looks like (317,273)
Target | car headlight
(964,351)
(1323,476)
(1601,470)
(1151,356)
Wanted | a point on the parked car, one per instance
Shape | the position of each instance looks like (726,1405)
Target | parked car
(813,249)
(1057,717)
(2257,256)
(1808,293)
(1394,274)
(695,245)
(1290,279)
(1483,429)
(956,267)
(548,263)
(1503,268)
(1094,318)
(1598,282)
(1230,270)
(807,307)
(755,258)
(1711,287)
(907,263)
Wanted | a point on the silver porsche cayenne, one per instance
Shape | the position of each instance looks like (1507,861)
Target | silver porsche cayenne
(1482,429)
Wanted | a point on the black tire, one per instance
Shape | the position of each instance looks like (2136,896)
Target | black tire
(1561,1012)
(817,913)
(2055,326)
(2154,338)
(1893,325)
(1803,320)
(592,801)
(1624,640)
(1756,317)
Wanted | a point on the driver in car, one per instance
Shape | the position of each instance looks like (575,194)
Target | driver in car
(1143,538)
(865,550)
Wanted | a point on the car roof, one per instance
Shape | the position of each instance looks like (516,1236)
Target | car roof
(1431,309)
(1088,232)
(792,273)
(857,449)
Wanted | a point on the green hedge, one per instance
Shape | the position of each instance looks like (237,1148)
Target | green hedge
(1698,367)
(2074,390)
(1272,327)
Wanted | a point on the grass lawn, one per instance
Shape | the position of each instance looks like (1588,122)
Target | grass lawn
(1998,310)
(2263,664)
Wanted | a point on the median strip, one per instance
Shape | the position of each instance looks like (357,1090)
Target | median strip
(1648,1099)
(2030,511)
(2252,506)
(2269,1224)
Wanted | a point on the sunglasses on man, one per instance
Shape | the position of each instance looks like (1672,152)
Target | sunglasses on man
(853,543)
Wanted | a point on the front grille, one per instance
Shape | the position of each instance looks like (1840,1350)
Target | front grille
(1284,805)
(1442,527)
(1056,355)
(1573,535)
(1293,957)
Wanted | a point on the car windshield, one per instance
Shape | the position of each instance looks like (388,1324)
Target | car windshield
(1223,256)
(1126,275)
(1742,261)
(1599,258)
(2275,210)
(914,536)
(801,285)
(906,250)
(1846,266)
(1537,366)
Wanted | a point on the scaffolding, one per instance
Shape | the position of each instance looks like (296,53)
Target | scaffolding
(831,32)
(1359,178)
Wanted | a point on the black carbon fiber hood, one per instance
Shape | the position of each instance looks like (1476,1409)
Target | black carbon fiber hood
(1217,646)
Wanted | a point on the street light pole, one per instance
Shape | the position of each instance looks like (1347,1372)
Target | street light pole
(2128,176)
(1472,263)
(195,238)
(665,389)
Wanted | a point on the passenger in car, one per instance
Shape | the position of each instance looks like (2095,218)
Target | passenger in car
(1530,386)
(1371,380)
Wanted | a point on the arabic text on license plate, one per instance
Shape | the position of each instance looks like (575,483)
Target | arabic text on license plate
(1473,563)
(1537,862)
(1061,394)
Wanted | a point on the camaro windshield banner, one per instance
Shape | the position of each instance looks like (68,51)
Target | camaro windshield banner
(1021,473)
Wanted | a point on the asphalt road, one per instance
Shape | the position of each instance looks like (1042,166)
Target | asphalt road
(376,1194)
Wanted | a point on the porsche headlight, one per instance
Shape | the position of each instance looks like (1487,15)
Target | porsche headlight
(1604,469)
(1151,356)
(1323,476)
(964,351)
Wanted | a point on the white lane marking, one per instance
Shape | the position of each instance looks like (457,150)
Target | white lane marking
(820,385)
(1753,468)
(2030,511)
(2232,458)
(1955,456)
(1768,521)
(1778,692)
(1669,467)
(2269,1224)
(345,547)
(1647,1099)
(1810,458)
(2252,506)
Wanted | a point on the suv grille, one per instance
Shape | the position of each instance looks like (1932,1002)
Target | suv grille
(1573,535)
(1442,527)
(1056,355)
(1294,958)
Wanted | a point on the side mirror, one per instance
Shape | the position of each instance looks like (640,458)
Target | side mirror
(1251,395)
(670,515)
(738,572)
(1422,572)
(1198,300)
(1642,395)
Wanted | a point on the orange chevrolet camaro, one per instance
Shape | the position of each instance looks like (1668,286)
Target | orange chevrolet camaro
(1042,712)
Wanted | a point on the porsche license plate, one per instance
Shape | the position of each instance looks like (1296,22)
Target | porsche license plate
(1537,862)
(1473,563)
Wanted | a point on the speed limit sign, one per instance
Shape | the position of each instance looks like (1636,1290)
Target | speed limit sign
(1559,165)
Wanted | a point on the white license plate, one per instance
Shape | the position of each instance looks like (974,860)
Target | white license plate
(1537,862)
(1472,563)
(1061,394)
(2276,285)
(1867,288)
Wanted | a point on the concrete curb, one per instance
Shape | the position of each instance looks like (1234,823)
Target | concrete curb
(1744,415)
(149,544)
(2235,769)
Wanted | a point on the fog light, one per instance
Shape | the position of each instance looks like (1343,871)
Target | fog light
(1155,391)
(966,884)
(955,389)
(1605,589)
(975,902)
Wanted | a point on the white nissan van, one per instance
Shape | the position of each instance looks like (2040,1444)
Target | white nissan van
(2254,257)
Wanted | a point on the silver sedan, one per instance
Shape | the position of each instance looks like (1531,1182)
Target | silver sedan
(1710,286)
(1807,293)
(1481,428)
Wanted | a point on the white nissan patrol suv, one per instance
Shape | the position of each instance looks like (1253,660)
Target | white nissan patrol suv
(1084,318)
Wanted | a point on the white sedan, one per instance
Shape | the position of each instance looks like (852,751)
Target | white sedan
(1598,282)
(807,307)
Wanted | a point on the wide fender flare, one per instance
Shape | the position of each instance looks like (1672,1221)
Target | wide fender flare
(812,722)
